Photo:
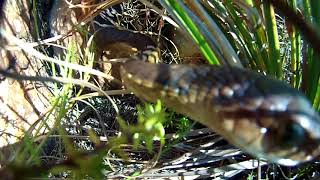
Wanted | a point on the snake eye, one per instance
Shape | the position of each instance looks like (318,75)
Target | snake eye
(293,136)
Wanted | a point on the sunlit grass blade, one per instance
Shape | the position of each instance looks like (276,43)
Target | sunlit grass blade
(253,44)
(313,11)
(273,40)
(315,90)
(295,39)
(213,33)
(179,11)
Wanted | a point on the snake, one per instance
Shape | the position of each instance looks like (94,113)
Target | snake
(262,116)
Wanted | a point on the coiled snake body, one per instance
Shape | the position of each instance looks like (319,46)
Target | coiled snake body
(258,114)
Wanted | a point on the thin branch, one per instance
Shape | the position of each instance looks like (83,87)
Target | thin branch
(79,82)
(30,50)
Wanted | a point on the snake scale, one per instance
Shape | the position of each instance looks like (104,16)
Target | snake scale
(262,116)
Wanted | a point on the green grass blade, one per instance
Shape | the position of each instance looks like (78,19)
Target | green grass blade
(314,61)
(252,43)
(273,40)
(213,33)
(295,39)
(179,11)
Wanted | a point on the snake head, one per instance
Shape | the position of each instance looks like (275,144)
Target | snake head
(290,128)
(276,123)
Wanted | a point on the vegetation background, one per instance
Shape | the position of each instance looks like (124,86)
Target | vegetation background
(62,108)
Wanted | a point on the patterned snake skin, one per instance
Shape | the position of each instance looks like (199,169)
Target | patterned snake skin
(258,114)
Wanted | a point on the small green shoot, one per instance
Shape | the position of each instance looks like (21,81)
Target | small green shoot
(149,126)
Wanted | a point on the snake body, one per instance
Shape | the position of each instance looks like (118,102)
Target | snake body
(262,116)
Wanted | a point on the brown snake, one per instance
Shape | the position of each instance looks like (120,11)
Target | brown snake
(262,116)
